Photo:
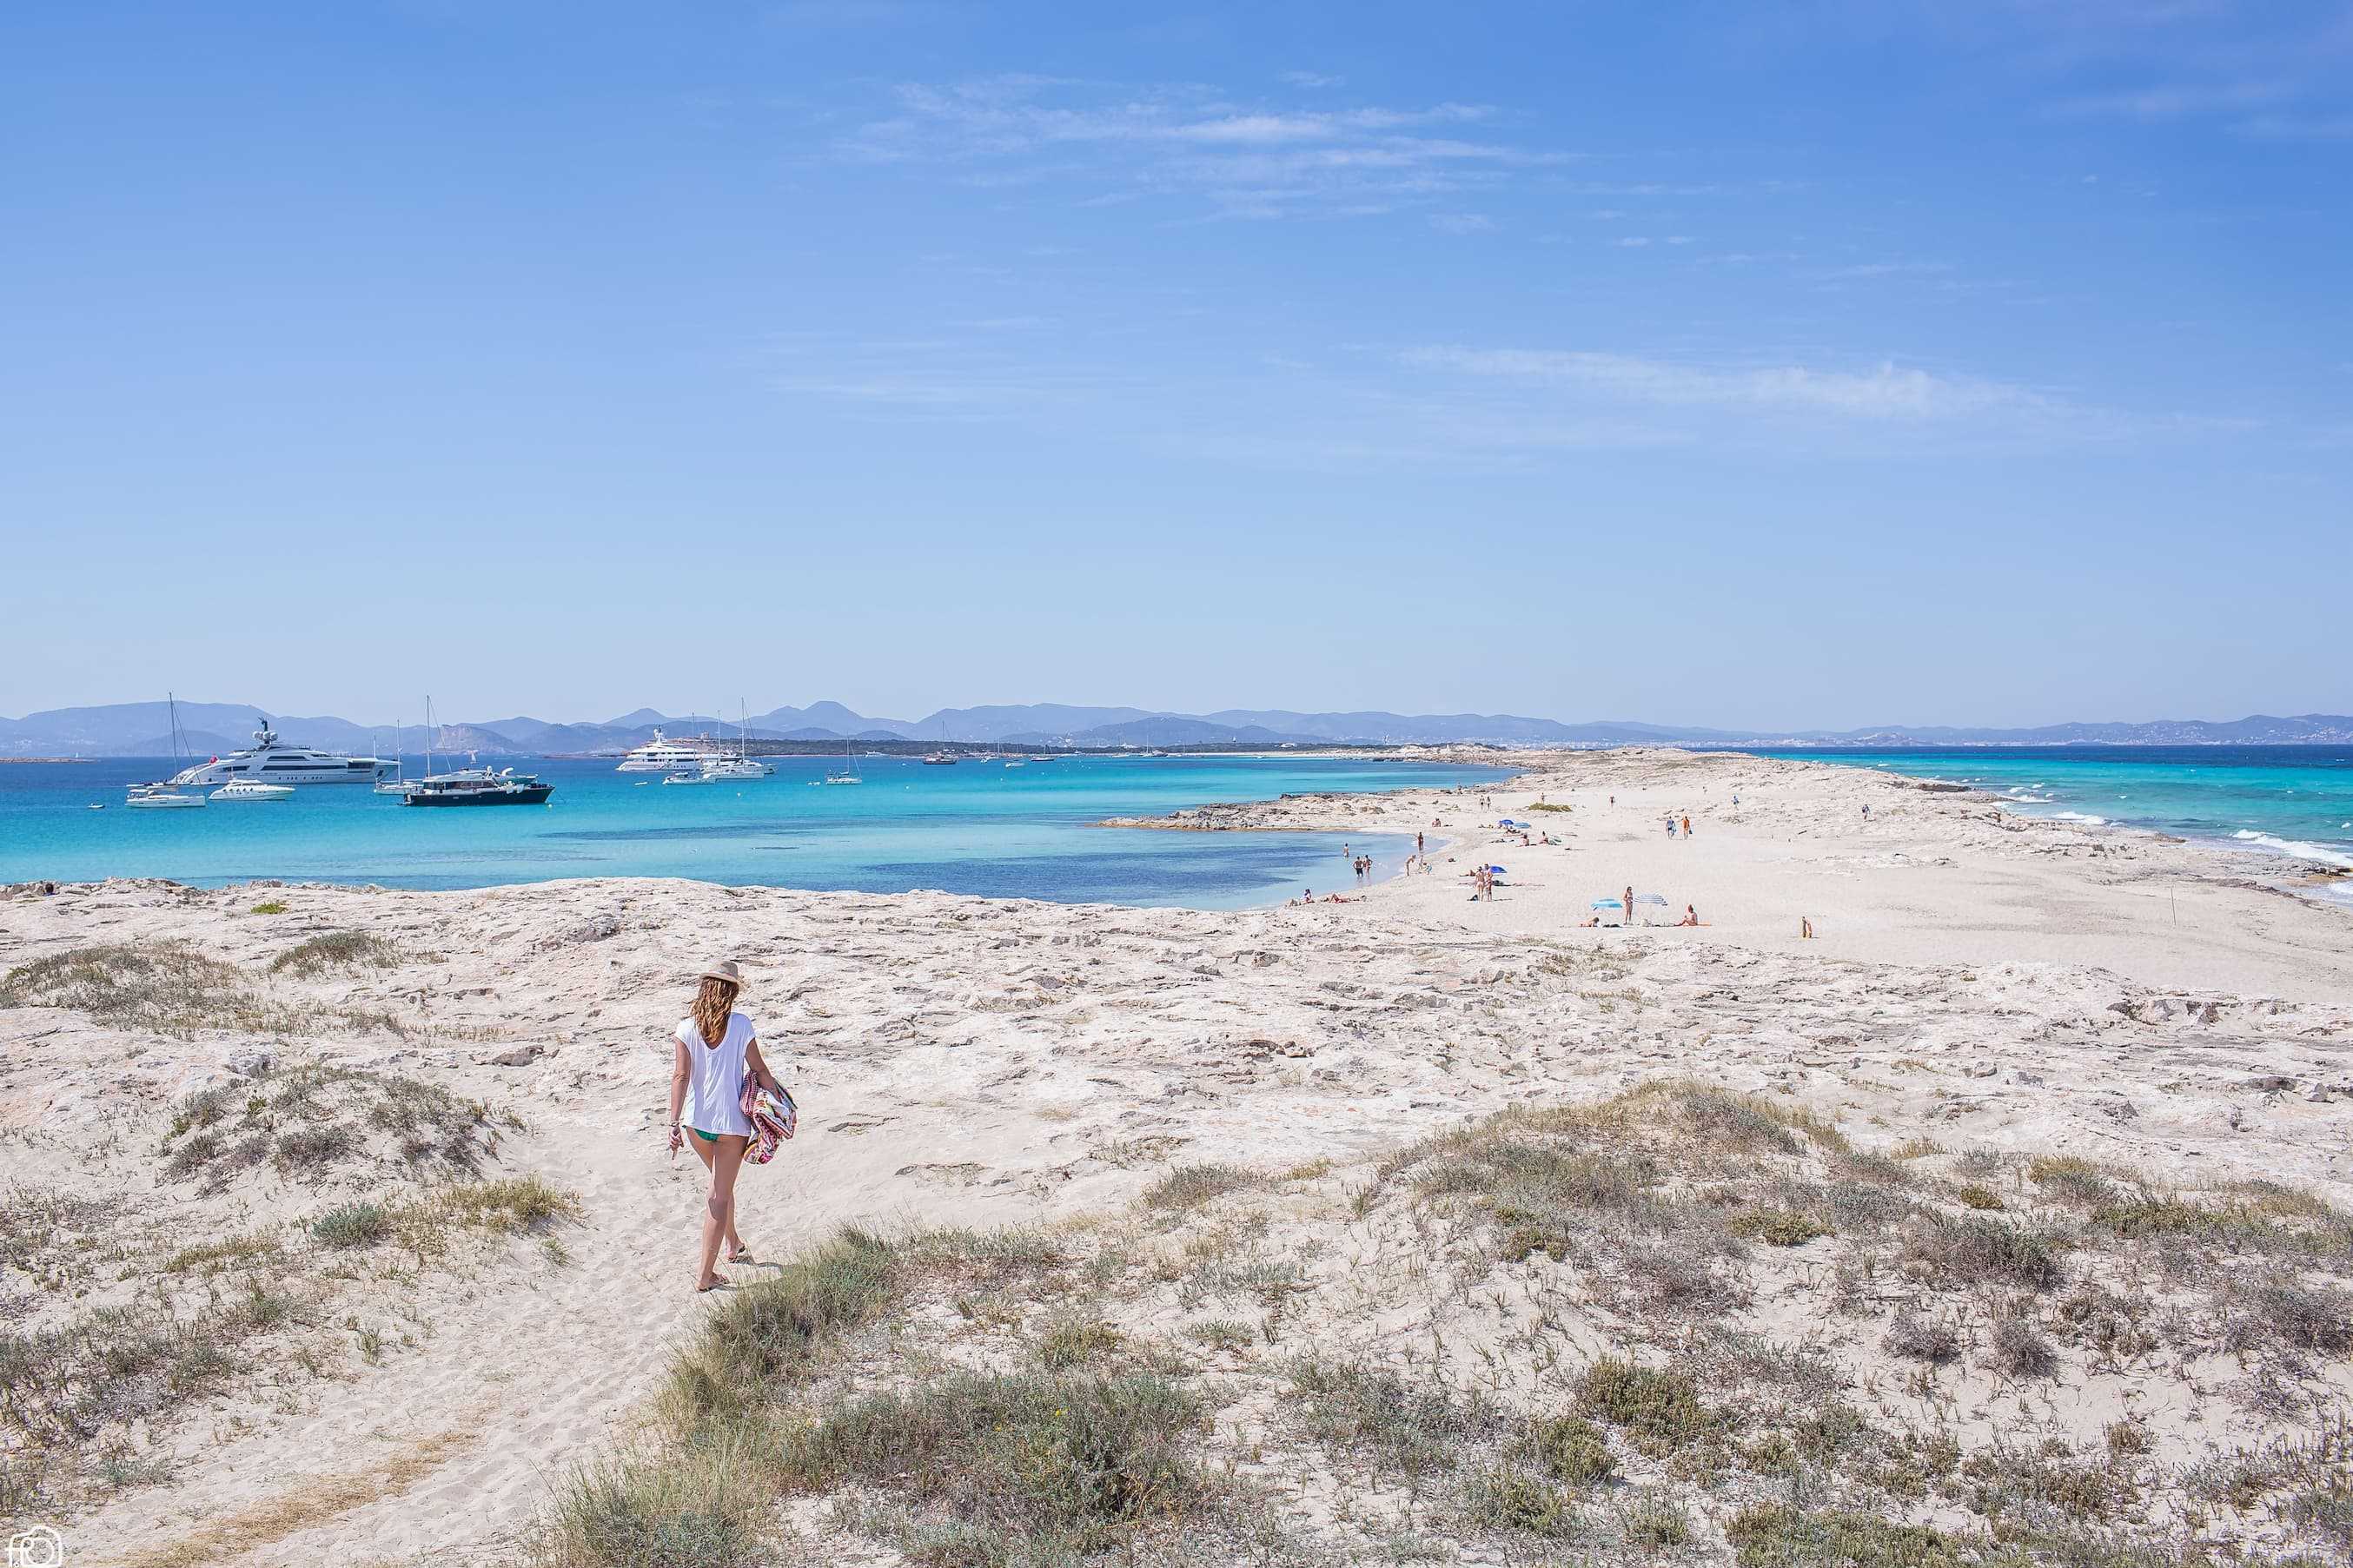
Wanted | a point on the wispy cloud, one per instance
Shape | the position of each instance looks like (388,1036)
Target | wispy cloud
(1439,406)
(1461,223)
(1311,79)
(2173,100)
(1860,271)
(1245,160)
(1882,393)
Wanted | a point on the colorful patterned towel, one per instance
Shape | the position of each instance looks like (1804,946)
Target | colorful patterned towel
(774,1117)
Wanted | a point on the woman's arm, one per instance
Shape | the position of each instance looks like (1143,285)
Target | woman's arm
(759,1065)
(680,1070)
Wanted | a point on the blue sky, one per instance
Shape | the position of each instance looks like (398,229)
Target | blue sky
(1806,363)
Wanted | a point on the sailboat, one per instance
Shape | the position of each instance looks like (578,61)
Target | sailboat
(847,773)
(398,783)
(741,765)
(162,797)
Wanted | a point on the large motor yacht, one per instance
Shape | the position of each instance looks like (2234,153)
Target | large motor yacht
(664,755)
(477,786)
(271,761)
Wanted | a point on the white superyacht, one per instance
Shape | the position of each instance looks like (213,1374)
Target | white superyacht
(271,761)
(664,755)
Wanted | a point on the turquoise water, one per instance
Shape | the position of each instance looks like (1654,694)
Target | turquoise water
(978,828)
(2291,800)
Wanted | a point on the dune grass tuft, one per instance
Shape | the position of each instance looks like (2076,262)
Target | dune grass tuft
(1060,1463)
(1190,1186)
(335,950)
(1416,1425)
(168,988)
(1659,1410)
(353,1224)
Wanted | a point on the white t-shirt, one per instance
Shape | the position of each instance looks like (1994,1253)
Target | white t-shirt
(714,1085)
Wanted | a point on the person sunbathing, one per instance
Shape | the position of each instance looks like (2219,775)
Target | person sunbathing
(1690,916)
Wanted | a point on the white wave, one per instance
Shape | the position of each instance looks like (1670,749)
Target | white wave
(2083,817)
(2327,854)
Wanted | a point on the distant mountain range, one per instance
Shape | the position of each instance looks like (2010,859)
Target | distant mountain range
(143,729)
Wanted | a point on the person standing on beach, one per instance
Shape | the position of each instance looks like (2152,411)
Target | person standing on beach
(1628,919)
(1686,825)
(1418,844)
(716,1051)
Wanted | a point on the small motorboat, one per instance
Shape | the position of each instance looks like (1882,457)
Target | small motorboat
(692,778)
(253,789)
(156,797)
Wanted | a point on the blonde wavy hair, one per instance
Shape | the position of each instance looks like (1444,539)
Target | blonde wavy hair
(712,1003)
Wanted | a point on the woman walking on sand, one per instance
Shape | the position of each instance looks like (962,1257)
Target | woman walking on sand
(717,1052)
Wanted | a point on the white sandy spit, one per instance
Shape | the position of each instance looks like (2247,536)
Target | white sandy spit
(1980,985)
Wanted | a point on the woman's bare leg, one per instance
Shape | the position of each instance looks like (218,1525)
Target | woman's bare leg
(736,1251)
(719,1216)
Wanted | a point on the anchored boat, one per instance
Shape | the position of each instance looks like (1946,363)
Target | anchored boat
(478,786)
(253,789)
(271,760)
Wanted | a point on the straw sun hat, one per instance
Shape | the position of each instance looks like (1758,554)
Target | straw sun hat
(724,970)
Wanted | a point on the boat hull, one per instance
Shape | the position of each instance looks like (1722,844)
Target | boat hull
(352,771)
(532,794)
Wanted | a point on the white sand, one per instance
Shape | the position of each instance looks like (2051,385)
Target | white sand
(1995,983)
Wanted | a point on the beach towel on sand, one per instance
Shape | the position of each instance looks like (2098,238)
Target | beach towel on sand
(773,1117)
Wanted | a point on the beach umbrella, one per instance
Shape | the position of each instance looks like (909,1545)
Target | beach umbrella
(1605,903)
(1648,899)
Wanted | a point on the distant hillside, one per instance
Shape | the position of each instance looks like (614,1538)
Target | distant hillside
(143,728)
(830,719)
(2258,729)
